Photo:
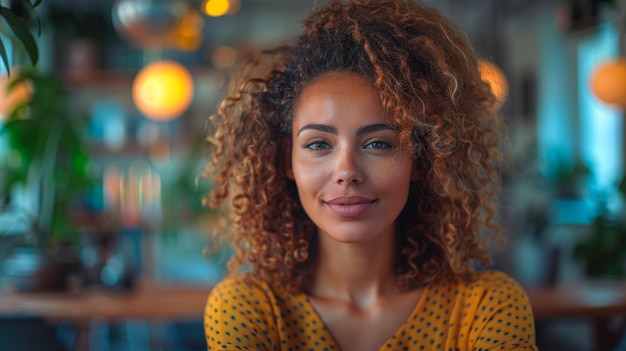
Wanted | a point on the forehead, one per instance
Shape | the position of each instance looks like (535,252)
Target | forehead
(335,95)
(337,81)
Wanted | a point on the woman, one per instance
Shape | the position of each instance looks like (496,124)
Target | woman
(358,167)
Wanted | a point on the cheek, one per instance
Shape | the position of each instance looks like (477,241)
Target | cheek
(398,179)
(307,174)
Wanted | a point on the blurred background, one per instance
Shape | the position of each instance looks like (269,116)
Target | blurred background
(102,140)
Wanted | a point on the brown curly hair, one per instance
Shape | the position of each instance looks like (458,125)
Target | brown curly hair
(426,72)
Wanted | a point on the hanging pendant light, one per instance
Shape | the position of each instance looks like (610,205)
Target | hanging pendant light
(608,82)
(147,24)
(216,8)
(163,90)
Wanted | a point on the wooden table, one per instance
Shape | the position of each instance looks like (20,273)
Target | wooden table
(150,302)
(595,300)
(579,299)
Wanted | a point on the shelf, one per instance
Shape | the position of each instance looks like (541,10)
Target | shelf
(99,80)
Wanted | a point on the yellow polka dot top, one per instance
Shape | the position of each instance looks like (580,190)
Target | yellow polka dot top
(489,313)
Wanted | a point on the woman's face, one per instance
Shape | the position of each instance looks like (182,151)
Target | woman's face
(351,174)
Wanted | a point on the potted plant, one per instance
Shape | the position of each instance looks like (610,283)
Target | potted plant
(48,159)
(602,252)
(569,179)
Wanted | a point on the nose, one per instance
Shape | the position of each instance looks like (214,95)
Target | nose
(348,168)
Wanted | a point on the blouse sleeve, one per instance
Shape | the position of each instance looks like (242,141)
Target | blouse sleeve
(238,316)
(503,319)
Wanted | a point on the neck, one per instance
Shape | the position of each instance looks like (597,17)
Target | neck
(357,273)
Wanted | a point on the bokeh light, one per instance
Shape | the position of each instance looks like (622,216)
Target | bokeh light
(188,36)
(492,75)
(163,90)
(216,8)
(224,57)
(608,82)
(9,100)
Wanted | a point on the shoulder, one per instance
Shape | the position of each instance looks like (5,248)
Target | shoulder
(498,311)
(241,311)
(481,282)
(241,291)
(490,280)
(238,284)
(494,289)
(488,289)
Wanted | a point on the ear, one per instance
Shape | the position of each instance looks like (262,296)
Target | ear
(285,144)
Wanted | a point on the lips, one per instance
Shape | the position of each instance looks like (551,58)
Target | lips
(349,206)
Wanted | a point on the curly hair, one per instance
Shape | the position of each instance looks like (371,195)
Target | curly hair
(426,72)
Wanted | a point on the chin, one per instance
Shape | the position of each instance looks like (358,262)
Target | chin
(357,235)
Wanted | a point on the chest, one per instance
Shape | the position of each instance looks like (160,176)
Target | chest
(366,329)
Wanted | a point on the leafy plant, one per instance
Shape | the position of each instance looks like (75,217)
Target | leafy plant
(603,251)
(20,29)
(568,178)
(48,155)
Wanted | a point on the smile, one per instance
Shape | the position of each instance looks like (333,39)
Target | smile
(349,206)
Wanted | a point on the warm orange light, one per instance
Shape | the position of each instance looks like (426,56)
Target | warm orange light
(224,57)
(163,90)
(493,76)
(233,7)
(9,100)
(608,82)
(188,36)
(189,42)
(216,8)
(190,24)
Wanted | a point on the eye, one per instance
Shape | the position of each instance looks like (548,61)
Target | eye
(317,145)
(379,144)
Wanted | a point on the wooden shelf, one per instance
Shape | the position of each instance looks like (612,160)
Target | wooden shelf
(100,80)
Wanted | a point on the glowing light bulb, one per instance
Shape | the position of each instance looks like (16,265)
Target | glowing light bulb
(163,90)
(608,82)
(216,8)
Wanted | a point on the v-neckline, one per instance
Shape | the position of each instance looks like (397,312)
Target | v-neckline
(304,298)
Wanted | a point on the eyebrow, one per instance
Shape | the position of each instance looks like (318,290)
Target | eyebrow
(362,130)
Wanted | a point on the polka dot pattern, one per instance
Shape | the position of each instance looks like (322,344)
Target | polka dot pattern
(489,313)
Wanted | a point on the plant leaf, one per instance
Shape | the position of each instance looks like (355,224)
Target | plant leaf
(31,8)
(21,31)
(37,3)
(5,58)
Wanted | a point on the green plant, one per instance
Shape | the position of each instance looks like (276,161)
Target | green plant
(603,251)
(20,29)
(568,178)
(48,156)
